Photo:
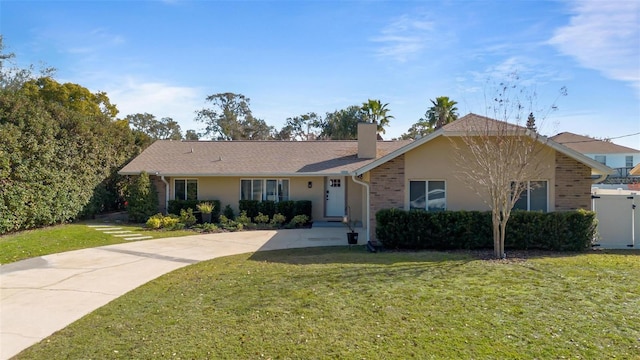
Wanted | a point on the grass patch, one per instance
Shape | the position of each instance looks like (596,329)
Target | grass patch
(55,239)
(339,303)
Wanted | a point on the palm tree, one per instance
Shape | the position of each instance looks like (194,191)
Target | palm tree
(442,112)
(376,112)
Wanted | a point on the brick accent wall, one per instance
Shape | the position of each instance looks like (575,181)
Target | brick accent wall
(160,187)
(573,184)
(387,188)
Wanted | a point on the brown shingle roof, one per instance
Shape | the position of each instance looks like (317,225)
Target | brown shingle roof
(211,158)
(473,123)
(587,145)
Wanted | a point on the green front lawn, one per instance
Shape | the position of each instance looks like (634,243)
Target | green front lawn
(340,303)
(55,239)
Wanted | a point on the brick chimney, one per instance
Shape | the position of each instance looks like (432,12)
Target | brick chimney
(367,140)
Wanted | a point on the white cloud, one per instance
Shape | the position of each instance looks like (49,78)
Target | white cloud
(132,96)
(403,38)
(604,36)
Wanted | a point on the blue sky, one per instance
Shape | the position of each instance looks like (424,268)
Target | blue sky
(294,57)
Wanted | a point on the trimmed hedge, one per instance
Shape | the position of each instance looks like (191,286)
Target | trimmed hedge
(303,207)
(287,208)
(252,207)
(557,231)
(176,205)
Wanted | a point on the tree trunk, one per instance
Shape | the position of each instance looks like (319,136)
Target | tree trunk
(496,235)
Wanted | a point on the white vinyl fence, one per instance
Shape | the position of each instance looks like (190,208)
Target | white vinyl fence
(618,217)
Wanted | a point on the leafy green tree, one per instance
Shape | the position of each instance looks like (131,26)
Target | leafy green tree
(376,112)
(60,149)
(230,118)
(342,124)
(71,96)
(299,128)
(417,130)
(142,199)
(191,135)
(163,129)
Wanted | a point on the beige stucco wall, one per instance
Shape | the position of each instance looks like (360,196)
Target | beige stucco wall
(355,200)
(227,190)
(440,159)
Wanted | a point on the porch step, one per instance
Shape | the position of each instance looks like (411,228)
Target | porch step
(332,224)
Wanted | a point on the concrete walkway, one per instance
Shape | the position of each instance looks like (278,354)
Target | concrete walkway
(42,295)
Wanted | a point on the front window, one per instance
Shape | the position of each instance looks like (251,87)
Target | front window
(264,189)
(601,159)
(628,161)
(427,195)
(186,189)
(534,197)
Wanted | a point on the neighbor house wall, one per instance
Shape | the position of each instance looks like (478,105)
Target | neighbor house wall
(618,160)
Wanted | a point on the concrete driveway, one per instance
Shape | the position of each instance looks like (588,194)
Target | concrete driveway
(42,295)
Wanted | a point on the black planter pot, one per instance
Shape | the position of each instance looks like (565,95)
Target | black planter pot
(206,218)
(352,238)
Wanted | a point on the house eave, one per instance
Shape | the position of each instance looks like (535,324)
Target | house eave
(275,174)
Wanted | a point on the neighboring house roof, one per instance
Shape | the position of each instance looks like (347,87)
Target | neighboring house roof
(253,158)
(470,123)
(588,145)
(635,171)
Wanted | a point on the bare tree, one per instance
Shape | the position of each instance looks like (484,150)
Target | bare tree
(498,158)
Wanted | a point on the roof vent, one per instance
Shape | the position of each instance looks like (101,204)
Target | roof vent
(191,150)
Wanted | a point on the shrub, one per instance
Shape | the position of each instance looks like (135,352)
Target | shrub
(230,225)
(557,231)
(287,209)
(170,221)
(206,207)
(298,221)
(154,223)
(176,226)
(187,217)
(176,205)
(142,199)
(250,207)
(228,212)
(267,207)
(278,220)
(243,218)
(303,207)
(207,227)
(261,218)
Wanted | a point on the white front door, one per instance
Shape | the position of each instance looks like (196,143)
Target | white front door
(335,196)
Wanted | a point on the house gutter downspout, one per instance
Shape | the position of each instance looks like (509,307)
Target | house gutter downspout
(602,178)
(166,194)
(366,186)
